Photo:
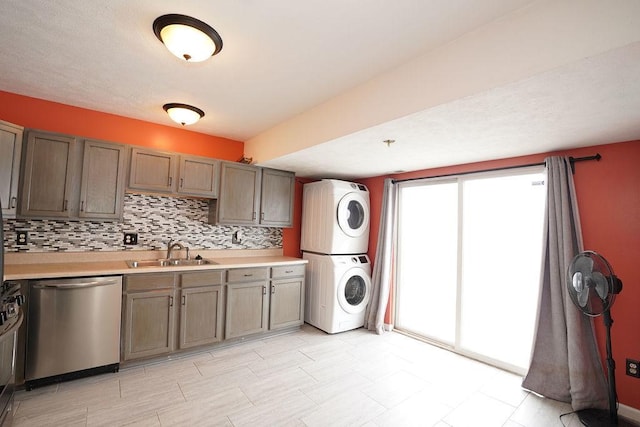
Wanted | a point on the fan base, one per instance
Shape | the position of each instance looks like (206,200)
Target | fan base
(600,418)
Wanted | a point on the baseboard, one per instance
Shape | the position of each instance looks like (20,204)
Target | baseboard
(629,413)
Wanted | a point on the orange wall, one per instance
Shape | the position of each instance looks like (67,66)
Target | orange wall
(56,117)
(608,194)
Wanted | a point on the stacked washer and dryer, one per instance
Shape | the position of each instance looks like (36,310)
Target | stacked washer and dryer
(335,239)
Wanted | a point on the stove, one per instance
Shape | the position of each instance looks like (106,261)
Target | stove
(11,315)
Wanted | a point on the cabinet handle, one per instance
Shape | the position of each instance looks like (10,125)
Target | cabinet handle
(181,182)
(170,301)
(248,275)
(82,206)
(64,205)
(288,271)
(264,290)
(273,289)
(261,216)
(253,216)
(184,300)
(170,180)
(14,199)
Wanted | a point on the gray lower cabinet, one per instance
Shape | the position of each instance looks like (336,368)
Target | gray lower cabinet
(247,302)
(286,306)
(149,315)
(201,298)
(10,152)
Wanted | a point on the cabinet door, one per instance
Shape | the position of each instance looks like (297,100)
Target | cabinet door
(102,187)
(247,307)
(200,316)
(152,170)
(276,206)
(239,196)
(198,176)
(149,324)
(46,185)
(287,303)
(10,150)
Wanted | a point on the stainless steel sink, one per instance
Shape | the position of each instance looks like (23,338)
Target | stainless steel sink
(169,263)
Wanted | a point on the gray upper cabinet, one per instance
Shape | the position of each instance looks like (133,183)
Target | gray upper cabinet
(66,178)
(102,184)
(239,197)
(152,170)
(251,195)
(161,172)
(198,176)
(47,175)
(10,151)
(276,203)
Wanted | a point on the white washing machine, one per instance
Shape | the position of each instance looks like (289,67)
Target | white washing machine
(335,217)
(338,289)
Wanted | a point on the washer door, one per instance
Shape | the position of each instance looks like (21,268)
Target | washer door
(354,290)
(353,214)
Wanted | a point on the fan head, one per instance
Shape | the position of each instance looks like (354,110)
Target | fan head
(591,283)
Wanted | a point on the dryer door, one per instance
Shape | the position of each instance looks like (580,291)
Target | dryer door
(353,214)
(354,290)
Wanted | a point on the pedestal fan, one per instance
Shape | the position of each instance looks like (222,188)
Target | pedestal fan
(593,287)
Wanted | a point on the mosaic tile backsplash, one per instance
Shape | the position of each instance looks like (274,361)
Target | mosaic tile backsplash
(156,219)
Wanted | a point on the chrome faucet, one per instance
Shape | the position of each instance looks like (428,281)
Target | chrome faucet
(171,246)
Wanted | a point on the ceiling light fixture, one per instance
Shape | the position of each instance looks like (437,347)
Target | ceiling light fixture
(183,113)
(186,37)
(389,142)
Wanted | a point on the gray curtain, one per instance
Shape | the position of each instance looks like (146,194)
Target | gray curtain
(565,363)
(382,274)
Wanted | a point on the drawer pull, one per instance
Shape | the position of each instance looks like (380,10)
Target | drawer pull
(264,290)
(248,275)
(288,271)
(170,301)
(184,300)
(273,289)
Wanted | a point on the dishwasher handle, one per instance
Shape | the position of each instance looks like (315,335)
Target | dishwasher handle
(58,284)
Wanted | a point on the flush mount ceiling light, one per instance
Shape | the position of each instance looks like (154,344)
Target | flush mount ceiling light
(186,37)
(183,113)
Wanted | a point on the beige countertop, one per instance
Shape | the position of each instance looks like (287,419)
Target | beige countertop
(42,266)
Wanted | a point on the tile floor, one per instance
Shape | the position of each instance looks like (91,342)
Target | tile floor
(305,378)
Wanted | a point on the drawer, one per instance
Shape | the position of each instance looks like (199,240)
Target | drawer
(284,271)
(247,274)
(190,280)
(145,282)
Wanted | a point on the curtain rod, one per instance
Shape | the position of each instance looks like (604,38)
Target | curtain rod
(572,161)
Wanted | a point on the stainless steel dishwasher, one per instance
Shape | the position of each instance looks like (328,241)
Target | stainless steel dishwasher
(73,328)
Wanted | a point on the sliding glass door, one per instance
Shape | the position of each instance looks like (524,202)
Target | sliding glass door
(468,263)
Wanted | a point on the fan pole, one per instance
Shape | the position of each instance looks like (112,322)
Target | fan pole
(611,370)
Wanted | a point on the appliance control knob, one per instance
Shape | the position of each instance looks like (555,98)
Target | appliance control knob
(20,299)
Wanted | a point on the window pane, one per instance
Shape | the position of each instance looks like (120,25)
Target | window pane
(427,260)
(501,257)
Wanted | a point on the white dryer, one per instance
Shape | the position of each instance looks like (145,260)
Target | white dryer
(337,291)
(335,217)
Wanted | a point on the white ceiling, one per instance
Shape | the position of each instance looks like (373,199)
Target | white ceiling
(284,58)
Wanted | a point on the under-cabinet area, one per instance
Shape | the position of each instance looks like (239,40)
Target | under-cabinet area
(169,312)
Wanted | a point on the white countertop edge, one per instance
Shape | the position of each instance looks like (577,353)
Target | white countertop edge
(109,268)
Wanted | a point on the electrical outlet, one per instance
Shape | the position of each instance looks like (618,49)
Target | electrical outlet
(22,237)
(130,238)
(633,368)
